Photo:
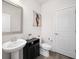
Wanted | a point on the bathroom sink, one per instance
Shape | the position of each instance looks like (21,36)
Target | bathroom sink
(13,46)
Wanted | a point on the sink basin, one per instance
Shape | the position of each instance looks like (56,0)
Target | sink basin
(14,47)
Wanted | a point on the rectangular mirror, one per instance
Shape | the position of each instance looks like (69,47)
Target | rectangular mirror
(12,18)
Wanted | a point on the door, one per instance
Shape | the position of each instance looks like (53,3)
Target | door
(65,33)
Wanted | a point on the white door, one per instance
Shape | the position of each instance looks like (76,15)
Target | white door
(65,39)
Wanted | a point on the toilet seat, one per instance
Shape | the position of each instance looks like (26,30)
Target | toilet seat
(45,46)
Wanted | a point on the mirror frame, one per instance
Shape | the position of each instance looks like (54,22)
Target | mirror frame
(21,28)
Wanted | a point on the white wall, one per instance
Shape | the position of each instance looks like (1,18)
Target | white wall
(58,24)
(28,7)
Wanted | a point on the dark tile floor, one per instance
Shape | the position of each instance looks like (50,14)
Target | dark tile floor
(54,55)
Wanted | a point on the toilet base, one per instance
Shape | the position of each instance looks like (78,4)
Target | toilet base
(44,52)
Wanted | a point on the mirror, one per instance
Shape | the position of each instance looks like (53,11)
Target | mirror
(12,18)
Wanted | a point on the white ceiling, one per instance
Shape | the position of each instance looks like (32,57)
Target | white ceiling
(42,1)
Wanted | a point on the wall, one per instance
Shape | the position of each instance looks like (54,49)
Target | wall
(28,7)
(58,26)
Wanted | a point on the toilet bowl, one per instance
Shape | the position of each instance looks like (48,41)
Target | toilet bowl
(44,49)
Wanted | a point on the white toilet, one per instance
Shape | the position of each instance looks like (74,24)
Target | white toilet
(44,49)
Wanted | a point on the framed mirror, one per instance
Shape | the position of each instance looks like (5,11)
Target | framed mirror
(12,18)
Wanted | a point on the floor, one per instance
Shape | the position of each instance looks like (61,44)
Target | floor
(54,55)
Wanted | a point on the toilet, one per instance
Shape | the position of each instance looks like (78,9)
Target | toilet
(44,49)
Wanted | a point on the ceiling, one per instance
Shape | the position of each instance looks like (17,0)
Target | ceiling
(42,1)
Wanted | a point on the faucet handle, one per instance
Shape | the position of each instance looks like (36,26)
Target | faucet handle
(29,34)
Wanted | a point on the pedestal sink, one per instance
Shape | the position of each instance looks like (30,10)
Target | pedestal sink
(13,47)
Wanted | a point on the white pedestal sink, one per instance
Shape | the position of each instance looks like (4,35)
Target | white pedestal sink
(13,47)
